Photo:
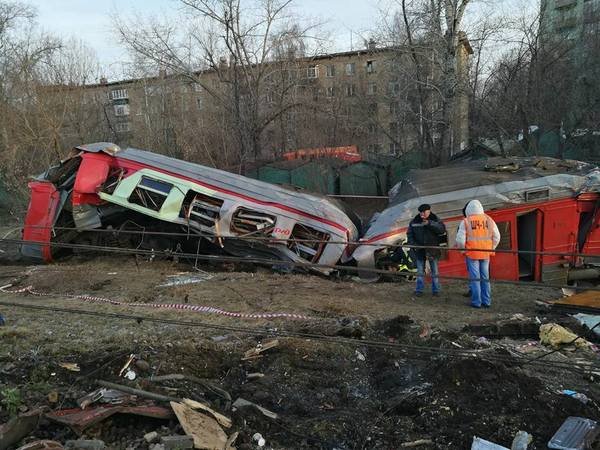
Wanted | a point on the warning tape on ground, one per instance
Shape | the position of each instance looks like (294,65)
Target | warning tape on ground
(179,306)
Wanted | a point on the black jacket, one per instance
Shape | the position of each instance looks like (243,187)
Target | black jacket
(433,234)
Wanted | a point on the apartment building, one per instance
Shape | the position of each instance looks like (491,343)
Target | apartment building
(349,98)
(570,19)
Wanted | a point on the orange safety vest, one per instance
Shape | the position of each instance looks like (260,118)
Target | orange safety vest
(479,232)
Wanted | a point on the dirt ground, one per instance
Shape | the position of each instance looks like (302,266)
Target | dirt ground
(368,386)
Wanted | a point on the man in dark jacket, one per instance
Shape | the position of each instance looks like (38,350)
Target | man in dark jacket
(427,230)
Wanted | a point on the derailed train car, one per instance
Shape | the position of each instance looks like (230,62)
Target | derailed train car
(101,186)
(539,204)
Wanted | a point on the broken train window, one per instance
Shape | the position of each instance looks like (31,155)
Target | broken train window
(307,242)
(201,210)
(150,193)
(247,221)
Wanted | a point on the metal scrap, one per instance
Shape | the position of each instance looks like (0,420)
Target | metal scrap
(79,420)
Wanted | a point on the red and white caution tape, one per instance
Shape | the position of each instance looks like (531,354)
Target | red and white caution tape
(187,307)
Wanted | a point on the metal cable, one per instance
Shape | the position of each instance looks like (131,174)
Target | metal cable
(413,350)
(278,262)
(314,241)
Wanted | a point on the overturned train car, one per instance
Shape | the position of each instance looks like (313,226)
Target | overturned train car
(134,192)
(539,204)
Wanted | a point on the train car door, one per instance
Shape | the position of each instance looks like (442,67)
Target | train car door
(504,264)
(529,239)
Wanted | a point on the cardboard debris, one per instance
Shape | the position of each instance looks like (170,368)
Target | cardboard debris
(224,421)
(260,348)
(205,430)
(555,335)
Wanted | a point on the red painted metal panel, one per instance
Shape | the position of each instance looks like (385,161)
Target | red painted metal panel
(92,172)
(40,215)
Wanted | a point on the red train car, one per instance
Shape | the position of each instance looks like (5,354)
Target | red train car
(539,204)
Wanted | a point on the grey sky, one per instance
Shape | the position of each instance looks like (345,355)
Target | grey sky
(90,20)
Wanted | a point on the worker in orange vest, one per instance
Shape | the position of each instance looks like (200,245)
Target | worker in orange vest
(479,235)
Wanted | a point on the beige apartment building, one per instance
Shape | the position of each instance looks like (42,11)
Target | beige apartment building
(357,97)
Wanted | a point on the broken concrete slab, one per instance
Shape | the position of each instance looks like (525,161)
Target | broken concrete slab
(151,437)
(19,427)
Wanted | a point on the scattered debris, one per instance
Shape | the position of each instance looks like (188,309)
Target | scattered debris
(521,441)
(259,439)
(416,443)
(186,278)
(79,420)
(556,335)
(138,392)
(177,442)
(104,395)
(255,376)
(127,364)
(590,321)
(257,351)
(576,433)
(53,397)
(151,437)
(209,386)
(205,430)
(224,421)
(359,355)
(19,427)
(42,445)
(73,367)
(86,444)
(482,444)
(241,403)
(581,397)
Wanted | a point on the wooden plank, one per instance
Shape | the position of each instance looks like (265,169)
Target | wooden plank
(206,432)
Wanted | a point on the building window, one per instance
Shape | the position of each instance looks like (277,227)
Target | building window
(394,108)
(372,128)
(121,110)
(370,66)
(394,148)
(394,127)
(312,72)
(197,87)
(350,90)
(118,94)
(350,69)
(394,88)
(371,89)
(270,97)
(199,103)
(331,91)
(122,127)
(331,70)
(372,108)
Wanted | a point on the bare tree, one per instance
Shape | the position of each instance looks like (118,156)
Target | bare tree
(240,54)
